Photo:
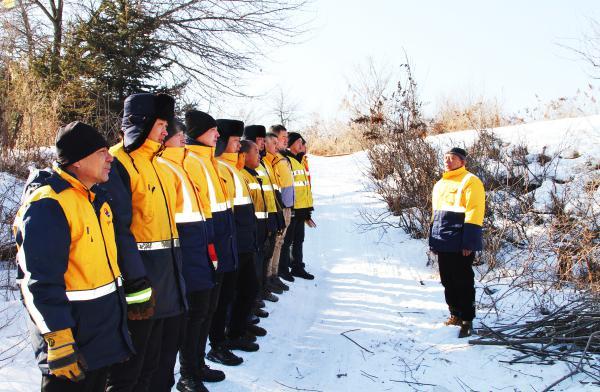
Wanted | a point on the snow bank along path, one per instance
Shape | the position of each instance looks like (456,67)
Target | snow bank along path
(375,286)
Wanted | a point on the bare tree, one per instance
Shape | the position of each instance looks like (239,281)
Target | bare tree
(285,108)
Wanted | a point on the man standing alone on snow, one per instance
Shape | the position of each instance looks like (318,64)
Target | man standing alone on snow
(458,208)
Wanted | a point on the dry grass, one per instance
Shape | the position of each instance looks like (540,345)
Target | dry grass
(327,139)
(455,115)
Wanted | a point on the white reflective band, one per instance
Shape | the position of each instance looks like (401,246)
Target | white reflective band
(460,190)
(157,245)
(187,217)
(307,173)
(239,198)
(254,186)
(267,188)
(276,187)
(212,194)
(301,183)
(297,172)
(187,214)
(261,173)
(87,295)
(262,215)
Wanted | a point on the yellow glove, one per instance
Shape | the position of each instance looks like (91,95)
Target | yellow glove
(63,359)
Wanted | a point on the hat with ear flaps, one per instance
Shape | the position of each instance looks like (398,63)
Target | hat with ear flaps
(140,111)
(292,137)
(251,132)
(227,128)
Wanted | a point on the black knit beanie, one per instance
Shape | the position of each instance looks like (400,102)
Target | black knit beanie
(292,137)
(459,152)
(76,141)
(197,123)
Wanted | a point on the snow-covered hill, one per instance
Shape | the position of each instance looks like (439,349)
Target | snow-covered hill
(373,288)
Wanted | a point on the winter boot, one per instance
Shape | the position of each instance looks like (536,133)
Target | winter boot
(189,384)
(273,288)
(256,330)
(270,297)
(278,283)
(453,320)
(260,303)
(301,273)
(250,337)
(241,344)
(466,329)
(210,375)
(261,313)
(220,354)
(285,275)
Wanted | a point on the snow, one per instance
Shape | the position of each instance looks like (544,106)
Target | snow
(376,289)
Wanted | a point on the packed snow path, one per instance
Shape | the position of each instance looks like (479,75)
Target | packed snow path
(374,287)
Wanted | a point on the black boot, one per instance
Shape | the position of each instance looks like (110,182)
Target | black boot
(466,329)
(250,337)
(260,303)
(189,384)
(241,344)
(270,297)
(285,275)
(261,313)
(220,354)
(273,288)
(256,330)
(277,282)
(211,375)
(301,273)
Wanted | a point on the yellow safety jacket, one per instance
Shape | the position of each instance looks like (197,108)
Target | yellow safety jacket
(302,192)
(268,188)
(243,209)
(67,267)
(458,201)
(203,171)
(194,230)
(146,210)
(283,175)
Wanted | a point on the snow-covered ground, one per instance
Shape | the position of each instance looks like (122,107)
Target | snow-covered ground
(373,287)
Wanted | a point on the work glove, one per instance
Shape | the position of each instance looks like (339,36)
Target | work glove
(140,299)
(212,254)
(63,359)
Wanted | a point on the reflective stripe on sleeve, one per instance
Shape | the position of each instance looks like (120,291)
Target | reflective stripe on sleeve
(301,183)
(139,297)
(262,215)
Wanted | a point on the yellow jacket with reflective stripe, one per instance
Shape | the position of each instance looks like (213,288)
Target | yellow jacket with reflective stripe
(232,177)
(188,206)
(67,268)
(257,194)
(92,253)
(458,201)
(268,188)
(152,202)
(200,164)
(302,192)
(283,176)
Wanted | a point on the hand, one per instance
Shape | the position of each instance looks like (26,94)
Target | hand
(311,223)
(212,254)
(140,299)
(63,358)
(466,252)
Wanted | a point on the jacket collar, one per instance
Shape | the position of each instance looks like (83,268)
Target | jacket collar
(229,157)
(148,149)
(174,154)
(71,180)
(455,173)
(201,150)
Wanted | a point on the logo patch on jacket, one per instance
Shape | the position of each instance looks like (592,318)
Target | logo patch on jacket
(107,212)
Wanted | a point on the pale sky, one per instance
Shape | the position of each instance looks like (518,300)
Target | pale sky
(508,50)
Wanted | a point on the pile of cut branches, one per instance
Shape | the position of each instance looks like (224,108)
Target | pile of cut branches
(570,334)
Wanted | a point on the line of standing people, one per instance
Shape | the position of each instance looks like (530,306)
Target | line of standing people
(132,255)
